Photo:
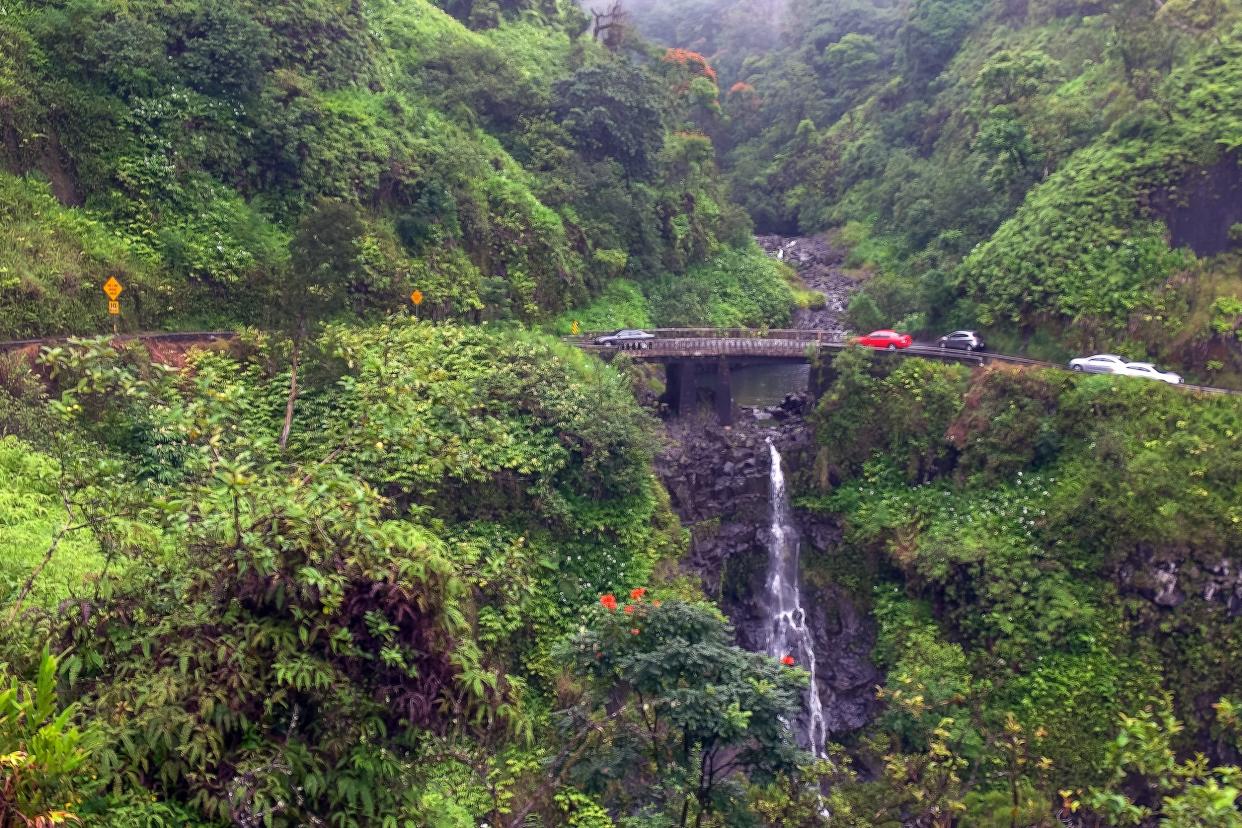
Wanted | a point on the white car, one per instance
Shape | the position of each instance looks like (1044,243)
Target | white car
(1146,369)
(1099,364)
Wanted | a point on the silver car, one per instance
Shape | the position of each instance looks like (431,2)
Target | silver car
(962,340)
(1149,371)
(626,339)
(1099,364)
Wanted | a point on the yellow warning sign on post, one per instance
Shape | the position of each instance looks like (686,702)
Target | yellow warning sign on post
(114,307)
(416,297)
(113,288)
(575,327)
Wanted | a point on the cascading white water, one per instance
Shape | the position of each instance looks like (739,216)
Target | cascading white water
(786,631)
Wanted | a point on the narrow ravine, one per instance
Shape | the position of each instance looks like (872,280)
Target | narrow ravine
(787,633)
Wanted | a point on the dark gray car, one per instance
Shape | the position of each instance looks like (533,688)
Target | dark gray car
(626,339)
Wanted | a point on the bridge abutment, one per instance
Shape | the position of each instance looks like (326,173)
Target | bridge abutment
(682,385)
(724,392)
(680,388)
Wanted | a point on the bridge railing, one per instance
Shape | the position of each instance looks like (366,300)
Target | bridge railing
(589,337)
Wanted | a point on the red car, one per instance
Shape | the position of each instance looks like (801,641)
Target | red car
(886,339)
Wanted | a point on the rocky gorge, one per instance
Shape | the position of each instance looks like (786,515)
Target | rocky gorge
(718,479)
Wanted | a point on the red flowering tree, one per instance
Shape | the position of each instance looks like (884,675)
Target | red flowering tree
(693,62)
(695,88)
(742,96)
(686,713)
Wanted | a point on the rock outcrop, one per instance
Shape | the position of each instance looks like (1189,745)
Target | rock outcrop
(1170,577)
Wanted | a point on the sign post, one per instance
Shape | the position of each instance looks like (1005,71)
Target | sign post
(113,289)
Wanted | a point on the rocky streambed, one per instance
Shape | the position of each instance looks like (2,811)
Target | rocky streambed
(821,267)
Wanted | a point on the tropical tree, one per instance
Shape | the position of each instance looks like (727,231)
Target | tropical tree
(611,111)
(688,714)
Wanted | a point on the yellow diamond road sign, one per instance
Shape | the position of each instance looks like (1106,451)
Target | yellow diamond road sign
(417,297)
(113,288)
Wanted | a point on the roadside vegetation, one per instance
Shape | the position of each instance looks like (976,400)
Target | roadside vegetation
(505,165)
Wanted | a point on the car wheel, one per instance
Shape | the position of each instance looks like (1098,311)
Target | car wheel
(1077,368)
(942,346)
(892,347)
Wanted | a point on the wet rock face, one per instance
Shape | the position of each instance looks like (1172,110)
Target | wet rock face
(718,481)
(820,266)
(1168,578)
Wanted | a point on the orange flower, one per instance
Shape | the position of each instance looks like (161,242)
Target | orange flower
(609,601)
(788,661)
(629,609)
(637,593)
(633,630)
(655,603)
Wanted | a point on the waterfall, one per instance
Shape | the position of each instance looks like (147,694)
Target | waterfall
(786,632)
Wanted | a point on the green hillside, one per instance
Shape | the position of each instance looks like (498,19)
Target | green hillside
(508,168)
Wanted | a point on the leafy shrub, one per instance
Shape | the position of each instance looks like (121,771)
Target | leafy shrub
(390,583)
(695,708)
(739,288)
(42,753)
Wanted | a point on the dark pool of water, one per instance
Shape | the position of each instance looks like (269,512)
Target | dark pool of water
(763,385)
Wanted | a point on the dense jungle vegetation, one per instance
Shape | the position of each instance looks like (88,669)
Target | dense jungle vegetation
(1061,175)
(1044,555)
(368,564)
(497,160)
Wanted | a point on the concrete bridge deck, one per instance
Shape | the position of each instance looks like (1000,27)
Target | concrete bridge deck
(682,349)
